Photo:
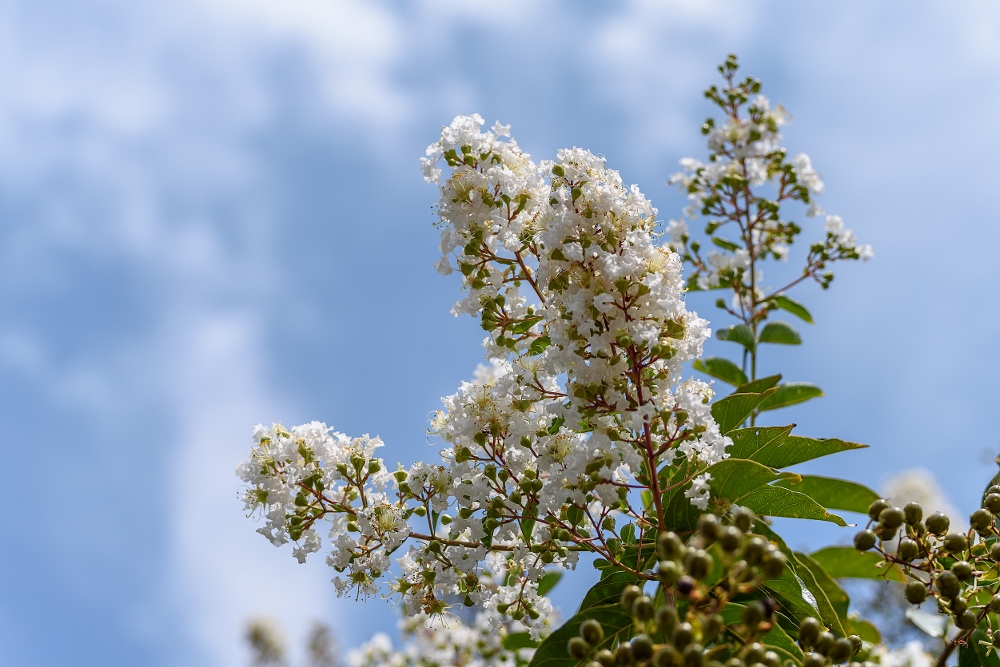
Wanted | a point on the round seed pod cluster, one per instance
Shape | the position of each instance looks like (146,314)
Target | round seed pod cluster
(942,563)
(822,648)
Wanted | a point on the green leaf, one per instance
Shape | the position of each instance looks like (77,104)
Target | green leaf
(723,243)
(790,393)
(866,630)
(838,598)
(538,345)
(835,494)
(747,483)
(732,410)
(518,640)
(975,654)
(781,333)
(793,307)
(722,369)
(607,590)
(775,638)
(548,581)
(524,325)
(769,446)
(552,651)
(738,333)
(758,385)
(849,563)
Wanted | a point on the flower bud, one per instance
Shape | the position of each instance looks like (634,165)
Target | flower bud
(913,513)
(864,540)
(915,592)
(592,631)
(937,523)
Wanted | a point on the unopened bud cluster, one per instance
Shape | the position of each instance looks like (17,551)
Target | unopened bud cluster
(956,569)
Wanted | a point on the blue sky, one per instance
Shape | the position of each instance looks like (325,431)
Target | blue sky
(212,216)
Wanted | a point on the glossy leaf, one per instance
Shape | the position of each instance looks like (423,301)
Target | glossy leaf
(778,501)
(607,590)
(731,411)
(849,563)
(838,598)
(548,581)
(759,385)
(722,369)
(866,630)
(552,651)
(974,654)
(832,493)
(793,307)
(781,333)
(519,640)
(769,446)
(738,333)
(790,393)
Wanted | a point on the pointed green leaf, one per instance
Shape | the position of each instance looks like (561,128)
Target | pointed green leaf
(722,369)
(732,410)
(519,640)
(791,393)
(552,651)
(838,598)
(738,333)
(548,581)
(747,483)
(781,333)
(835,494)
(849,563)
(793,307)
(766,445)
(758,385)
(607,590)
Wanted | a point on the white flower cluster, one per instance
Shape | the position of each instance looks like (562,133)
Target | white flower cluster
(581,407)
(441,641)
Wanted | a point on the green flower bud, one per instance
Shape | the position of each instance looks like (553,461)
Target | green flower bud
(753,614)
(753,653)
(842,650)
(809,631)
(665,656)
(753,550)
(937,523)
(698,564)
(605,658)
(966,620)
(642,608)
(774,564)
(981,519)
(668,572)
(947,584)
(592,631)
(908,549)
(743,519)
(956,542)
(730,538)
(962,569)
(891,518)
(694,655)
(709,527)
(624,654)
(578,647)
(813,660)
(913,513)
(683,635)
(642,647)
(994,604)
(666,620)
(712,627)
(915,592)
(824,643)
(992,502)
(995,551)
(875,509)
(629,595)
(669,546)
(864,540)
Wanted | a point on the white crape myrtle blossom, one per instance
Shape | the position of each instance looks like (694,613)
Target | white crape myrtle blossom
(911,654)
(546,452)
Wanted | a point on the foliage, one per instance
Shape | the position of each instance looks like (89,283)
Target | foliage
(583,435)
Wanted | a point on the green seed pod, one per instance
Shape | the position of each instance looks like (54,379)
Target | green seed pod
(683,635)
(629,595)
(605,657)
(875,509)
(809,631)
(842,650)
(908,549)
(913,513)
(771,659)
(956,542)
(864,540)
(730,538)
(667,572)
(915,592)
(666,620)
(735,662)
(813,660)
(642,648)
(685,585)
(592,631)
(891,518)
(434,547)
(753,653)
(947,584)
(578,647)
(743,519)
(709,527)
(995,552)
(981,519)
(642,608)
(669,546)
(753,550)
(992,502)
(856,644)
(958,606)
(774,564)
(937,523)
(698,563)
(665,656)
(753,615)
(966,620)
(996,639)
(824,643)
(962,569)
(694,655)
(712,627)
(623,656)
(994,604)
